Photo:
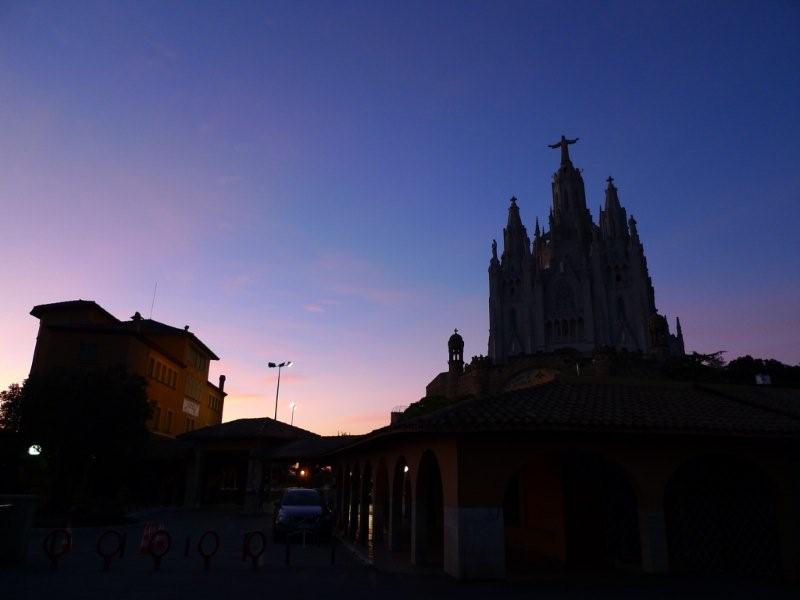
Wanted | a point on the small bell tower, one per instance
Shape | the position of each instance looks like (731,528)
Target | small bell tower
(455,347)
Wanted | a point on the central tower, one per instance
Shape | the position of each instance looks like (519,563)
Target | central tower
(577,285)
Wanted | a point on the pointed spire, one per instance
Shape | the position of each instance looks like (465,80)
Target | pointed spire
(632,227)
(514,220)
(537,232)
(679,335)
(612,199)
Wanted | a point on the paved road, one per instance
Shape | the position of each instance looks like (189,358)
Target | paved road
(80,573)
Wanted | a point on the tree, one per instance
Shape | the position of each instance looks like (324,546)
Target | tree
(10,407)
(90,425)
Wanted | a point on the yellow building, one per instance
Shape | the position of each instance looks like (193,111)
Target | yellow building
(82,334)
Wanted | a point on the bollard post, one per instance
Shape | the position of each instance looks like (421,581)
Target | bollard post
(247,550)
(288,550)
(207,556)
(53,552)
(117,550)
(158,551)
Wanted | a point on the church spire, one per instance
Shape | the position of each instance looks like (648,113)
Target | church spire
(515,237)
(514,220)
(679,335)
(613,217)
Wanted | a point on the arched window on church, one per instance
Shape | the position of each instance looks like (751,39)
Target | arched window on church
(564,328)
(549,330)
(512,318)
(580,328)
(558,329)
(572,328)
(620,308)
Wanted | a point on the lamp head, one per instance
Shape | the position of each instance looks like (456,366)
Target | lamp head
(271,365)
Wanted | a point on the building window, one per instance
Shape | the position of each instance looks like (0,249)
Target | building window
(168,424)
(161,372)
(156,418)
(189,425)
(229,479)
(193,388)
(88,352)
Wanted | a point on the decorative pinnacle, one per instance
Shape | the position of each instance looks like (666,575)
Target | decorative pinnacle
(610,180)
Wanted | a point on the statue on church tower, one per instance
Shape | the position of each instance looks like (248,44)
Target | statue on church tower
(564,144)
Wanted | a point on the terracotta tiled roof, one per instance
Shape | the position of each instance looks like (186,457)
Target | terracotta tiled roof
(146,326)
(312,447)
(781,400)
(249,428)
(40,309)
(634,407)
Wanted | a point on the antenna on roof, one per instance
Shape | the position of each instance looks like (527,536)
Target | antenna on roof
(152,304)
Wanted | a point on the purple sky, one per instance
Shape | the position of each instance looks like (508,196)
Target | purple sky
(321,182)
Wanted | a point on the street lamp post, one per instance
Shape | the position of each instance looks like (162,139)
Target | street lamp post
(272,365)
(293,405)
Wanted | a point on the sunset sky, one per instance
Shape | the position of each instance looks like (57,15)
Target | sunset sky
(321,182)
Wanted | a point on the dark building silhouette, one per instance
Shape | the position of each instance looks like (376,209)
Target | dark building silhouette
(578,284)
(81,334)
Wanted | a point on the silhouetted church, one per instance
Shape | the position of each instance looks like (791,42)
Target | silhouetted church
(578,285)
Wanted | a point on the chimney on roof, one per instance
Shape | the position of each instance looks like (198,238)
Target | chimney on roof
(186,328)
(137,316)
(222,383)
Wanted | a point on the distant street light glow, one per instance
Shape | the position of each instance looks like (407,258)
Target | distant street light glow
(35,450)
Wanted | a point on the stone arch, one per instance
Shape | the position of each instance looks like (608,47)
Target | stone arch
(575,510)
(721,518)
(400,508)
(381,500)
(355,500)
(429,512)
(365,509)
(346,495)
(340,501)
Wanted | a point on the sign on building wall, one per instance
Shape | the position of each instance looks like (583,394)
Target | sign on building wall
(190,407)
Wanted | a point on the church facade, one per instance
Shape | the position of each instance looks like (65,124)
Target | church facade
(578,284)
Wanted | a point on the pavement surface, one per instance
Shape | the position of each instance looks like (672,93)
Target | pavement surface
(310,574)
